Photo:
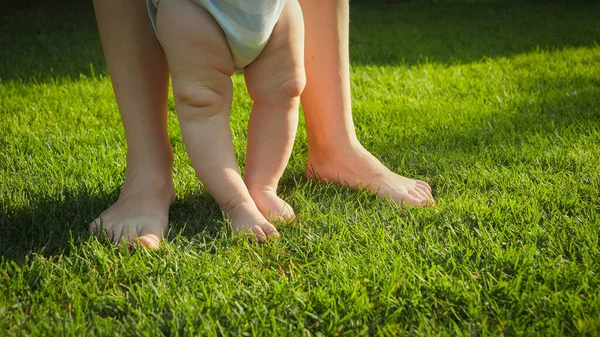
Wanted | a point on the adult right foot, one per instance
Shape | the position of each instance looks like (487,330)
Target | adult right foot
(356,167)
(141,212)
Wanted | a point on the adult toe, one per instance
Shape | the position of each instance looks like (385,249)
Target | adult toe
(424,185)
(423,193)
(414,198)
(115,233)
(150,241)
(94,226)
(405,199)
(150,237)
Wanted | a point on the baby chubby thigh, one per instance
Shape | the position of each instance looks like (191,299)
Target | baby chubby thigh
(247,25)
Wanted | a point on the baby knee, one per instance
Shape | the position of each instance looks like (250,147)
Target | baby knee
(197,100)
(287,86)
(293,84)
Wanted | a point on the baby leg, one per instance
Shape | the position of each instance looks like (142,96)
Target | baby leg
(275,81)
(201,65)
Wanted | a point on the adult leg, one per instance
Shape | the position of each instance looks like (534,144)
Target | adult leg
(275,81)
(139,75)
(334,152)
(201,65)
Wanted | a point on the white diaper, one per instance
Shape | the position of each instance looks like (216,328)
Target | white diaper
(247,24)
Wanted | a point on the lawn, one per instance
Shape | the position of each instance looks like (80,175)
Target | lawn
(496,104)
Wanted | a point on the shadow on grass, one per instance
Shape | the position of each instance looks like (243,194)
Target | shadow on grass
(47,224)
(450,33)
(44,40)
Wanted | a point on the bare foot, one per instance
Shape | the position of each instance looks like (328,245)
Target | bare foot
(246,219)
(358,168)
(141,212)
(270,205)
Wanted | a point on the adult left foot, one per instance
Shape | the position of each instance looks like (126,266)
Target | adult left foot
(358,168)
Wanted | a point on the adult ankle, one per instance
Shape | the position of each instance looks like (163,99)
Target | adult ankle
(334,146)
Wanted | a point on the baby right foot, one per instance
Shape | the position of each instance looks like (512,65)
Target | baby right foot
(246,219)
(271,206)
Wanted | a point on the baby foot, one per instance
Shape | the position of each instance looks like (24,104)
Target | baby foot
(271,206)
(246,219)
(141,212)
(358,168)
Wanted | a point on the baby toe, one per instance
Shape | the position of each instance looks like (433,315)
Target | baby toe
(270,230)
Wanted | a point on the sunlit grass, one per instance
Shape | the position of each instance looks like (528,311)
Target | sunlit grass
(495,105)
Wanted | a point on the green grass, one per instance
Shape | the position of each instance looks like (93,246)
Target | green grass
(495,104)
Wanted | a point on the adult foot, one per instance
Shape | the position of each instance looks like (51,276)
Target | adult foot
(270,205)
(246,219)
(358,168)
(141,212)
